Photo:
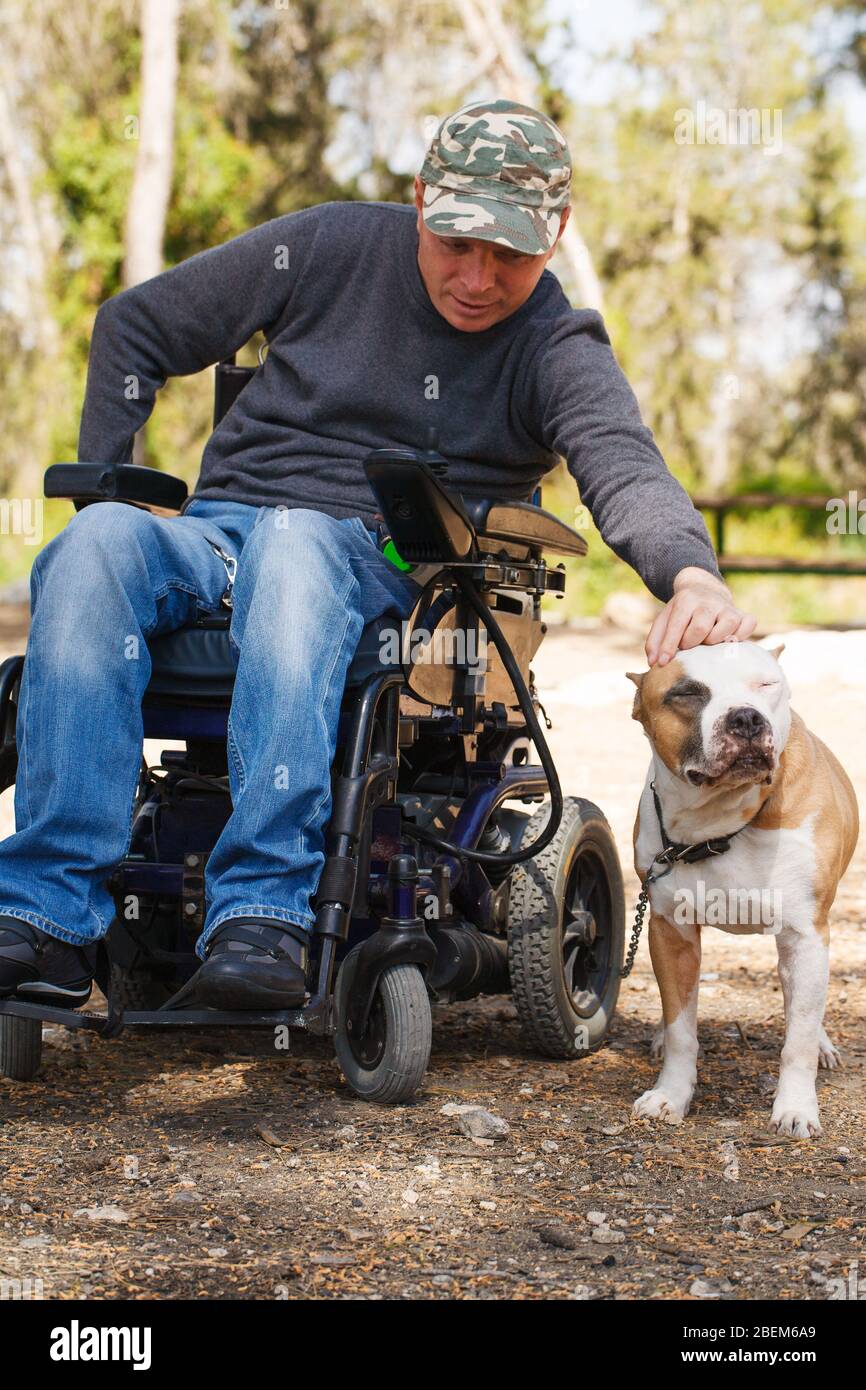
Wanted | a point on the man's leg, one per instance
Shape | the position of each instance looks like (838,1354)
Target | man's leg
(113,577)
(307,585)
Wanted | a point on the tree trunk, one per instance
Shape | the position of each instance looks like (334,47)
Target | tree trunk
(39,337)
(499,51)
(151,185)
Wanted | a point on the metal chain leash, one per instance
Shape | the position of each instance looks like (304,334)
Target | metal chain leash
(666,858)
(636,930)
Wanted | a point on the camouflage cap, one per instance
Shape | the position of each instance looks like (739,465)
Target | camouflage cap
(498,171)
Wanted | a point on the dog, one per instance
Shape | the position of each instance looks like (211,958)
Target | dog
(761,822)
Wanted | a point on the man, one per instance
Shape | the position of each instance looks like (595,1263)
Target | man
(381,323)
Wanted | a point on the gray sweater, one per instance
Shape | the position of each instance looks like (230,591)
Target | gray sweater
(360,359)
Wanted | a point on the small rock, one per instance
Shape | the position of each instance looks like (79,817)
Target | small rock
(410,1197)
(550,1146)
(273,1140)
(603,1235)
(476,1122)
(487,1206)
(705,1288)
(581,1292)
(559,1236)
(103,1213)
(596,1218)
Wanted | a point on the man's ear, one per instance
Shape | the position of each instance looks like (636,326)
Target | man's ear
(638,680)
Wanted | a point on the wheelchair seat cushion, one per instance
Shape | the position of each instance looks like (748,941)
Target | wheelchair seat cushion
(200,661)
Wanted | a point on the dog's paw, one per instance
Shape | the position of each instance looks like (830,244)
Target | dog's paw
(828,1054)
(658,1105)
(799,1119)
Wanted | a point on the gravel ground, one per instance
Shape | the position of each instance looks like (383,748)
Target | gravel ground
(165,1167)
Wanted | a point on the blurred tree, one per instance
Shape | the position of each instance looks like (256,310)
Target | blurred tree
(705,179)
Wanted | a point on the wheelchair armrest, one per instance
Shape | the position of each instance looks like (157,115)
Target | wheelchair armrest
(84,483)
(523,522)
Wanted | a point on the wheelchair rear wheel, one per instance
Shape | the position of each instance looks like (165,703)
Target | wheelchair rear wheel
(388,1064)
(566,935)
(20,1047)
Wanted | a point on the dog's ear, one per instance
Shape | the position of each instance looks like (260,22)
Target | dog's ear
(777,651)
(638,679)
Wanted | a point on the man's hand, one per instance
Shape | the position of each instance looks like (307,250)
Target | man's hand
(701,610)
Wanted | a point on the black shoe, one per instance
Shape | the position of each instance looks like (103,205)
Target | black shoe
(253,963)
(34,965)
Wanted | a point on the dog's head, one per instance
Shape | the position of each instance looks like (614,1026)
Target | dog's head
(716,716)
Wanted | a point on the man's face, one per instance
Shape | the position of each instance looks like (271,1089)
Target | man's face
(474,283)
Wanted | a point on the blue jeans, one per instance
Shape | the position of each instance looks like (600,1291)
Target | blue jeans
(306,586)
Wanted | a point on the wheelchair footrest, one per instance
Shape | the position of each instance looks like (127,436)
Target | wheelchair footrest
(309,1019)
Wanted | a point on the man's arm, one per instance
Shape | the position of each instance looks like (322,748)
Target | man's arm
(590,415)
(181,321)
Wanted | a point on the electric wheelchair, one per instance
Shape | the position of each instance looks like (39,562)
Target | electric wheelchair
(437,885)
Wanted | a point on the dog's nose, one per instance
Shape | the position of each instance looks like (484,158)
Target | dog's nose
(745,722)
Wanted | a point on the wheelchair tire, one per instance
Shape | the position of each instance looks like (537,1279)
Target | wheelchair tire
(20,1047)
(566,934)
(137,989)
(389,1063)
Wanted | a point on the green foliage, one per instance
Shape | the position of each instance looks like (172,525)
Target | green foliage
(690,241)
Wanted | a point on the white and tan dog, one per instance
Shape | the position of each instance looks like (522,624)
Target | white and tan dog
(730,758)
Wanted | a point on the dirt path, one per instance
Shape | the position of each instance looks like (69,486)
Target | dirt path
(232,1172)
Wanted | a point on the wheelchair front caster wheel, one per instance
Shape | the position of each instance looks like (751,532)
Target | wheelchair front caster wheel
(20,1047)
(566,933)
(388,1063)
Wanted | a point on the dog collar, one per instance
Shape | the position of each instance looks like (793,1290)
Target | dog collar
(676,852)
(673,853)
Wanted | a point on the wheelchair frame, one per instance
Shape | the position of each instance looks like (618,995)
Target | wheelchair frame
(459,943)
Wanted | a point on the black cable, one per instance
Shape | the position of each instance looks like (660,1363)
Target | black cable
(518,856)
